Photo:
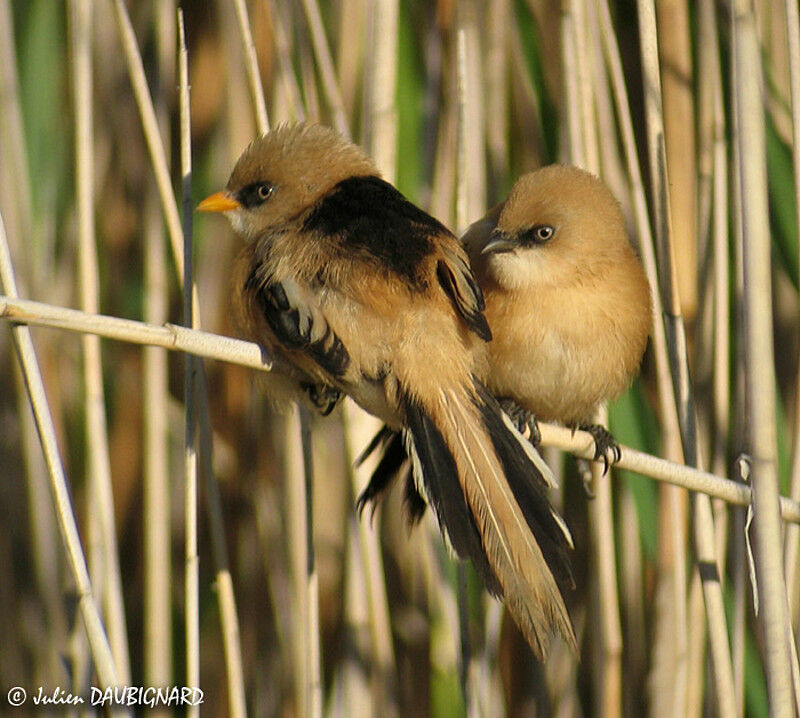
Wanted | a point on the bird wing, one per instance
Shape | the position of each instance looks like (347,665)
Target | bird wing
(457,280)
(371,217)
(299,324)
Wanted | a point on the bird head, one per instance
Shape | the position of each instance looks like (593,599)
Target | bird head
(558,222)
(282,174)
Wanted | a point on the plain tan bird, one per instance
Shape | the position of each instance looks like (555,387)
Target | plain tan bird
(566,296)
(364,293)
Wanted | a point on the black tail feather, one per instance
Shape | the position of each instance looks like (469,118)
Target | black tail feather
(390,464)
(529,489)
(445,495)
(414,503)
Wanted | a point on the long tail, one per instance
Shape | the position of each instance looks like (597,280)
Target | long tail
(488,488)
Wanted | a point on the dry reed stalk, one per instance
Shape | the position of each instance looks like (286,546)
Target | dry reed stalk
(350,54)
(322,54)
(470,204)
(285,72)
(359,428)
(16,205)
(667,683)
(703,524)
(675,58)
(313,650)
(792,536)
(297,533)
(98,639)
(583,150)
(150,128)
(197,403)
(353,694)
(471,133)
(251,67)
(380,82)
(157,560)
(156,489)
(497,100)
(759,359)
(572,129)
(101,493)
(247,354)
(191,461)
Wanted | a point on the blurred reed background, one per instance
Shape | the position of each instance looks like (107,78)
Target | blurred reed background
(200,561)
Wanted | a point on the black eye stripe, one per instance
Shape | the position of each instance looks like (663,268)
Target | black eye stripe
(538,234)
(254,194)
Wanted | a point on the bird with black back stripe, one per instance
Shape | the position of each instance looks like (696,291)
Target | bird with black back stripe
(568,303)
(363,293)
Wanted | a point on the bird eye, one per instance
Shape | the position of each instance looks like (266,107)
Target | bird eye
(539,234)
(255,194)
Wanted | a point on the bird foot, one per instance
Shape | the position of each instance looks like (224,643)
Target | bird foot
(323,397)
(605,445)
(524,420)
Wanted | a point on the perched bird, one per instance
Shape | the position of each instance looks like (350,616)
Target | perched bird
(566,296)
(364,293)
(567,301)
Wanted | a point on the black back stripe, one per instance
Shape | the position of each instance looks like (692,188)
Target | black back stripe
(370,215)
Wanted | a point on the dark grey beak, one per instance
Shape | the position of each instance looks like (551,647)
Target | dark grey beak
(500,242)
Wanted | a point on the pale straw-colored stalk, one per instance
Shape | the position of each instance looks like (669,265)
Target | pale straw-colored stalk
(352,693)
(471,168)
(359,428)
(101,494)
(195,371)
(313,648)
(759,359)
(16,199)
(150,128)
(498,19)
(792,536)
(322,54)
(297,532)
(247,354)
(15,207)
(675,57)
(98,639)
(702,523)
(286,74)
(251,66)
(196,393)
(191,588)
(668,674)
(583,150)
(470,204)
(572,131)
(156,486)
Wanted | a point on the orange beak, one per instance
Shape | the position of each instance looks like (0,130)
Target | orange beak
(219,202)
